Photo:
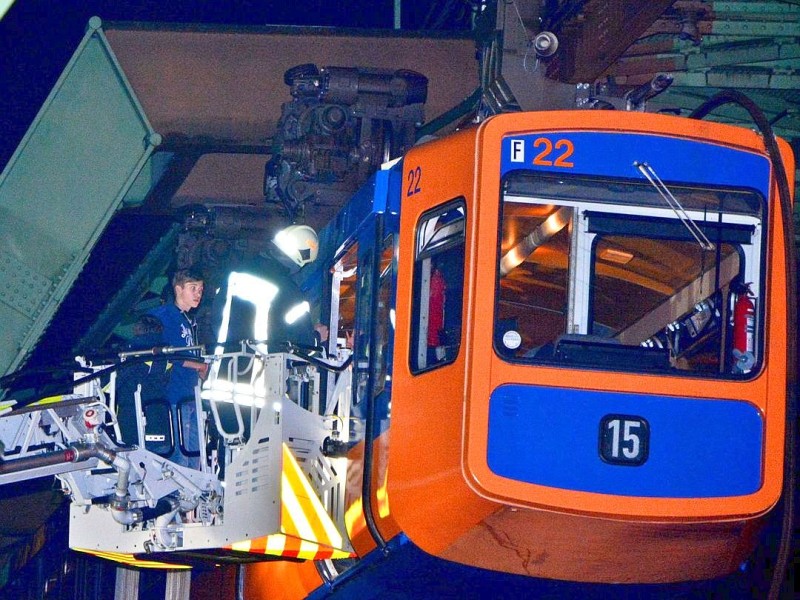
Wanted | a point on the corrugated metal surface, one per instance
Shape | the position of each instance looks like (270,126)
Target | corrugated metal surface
(752,46)
(61,187)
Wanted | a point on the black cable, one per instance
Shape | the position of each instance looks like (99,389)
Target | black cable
(320,362)
(15,377)
(785,198)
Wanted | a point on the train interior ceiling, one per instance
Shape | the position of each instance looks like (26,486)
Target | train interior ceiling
(217,100)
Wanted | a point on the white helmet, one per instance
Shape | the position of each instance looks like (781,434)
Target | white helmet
(299,243)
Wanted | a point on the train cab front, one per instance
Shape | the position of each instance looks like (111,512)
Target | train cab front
(623,337)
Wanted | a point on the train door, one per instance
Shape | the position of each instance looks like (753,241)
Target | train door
(435,269)
(362,321)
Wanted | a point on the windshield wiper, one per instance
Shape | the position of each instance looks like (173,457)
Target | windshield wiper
(651,176)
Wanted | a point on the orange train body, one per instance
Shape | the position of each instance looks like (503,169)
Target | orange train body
(627,444)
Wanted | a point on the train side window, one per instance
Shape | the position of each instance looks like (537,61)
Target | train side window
(438,287)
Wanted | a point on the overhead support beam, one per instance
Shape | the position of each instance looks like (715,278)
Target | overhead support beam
(784,24)
(758,54)
(764,79)
(745,8)
(591,39)
(784,28)
(785,125)
(660,43)
(742,55)
(692,96)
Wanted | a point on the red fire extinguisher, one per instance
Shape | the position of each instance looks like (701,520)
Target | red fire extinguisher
(744,324)
(438,291)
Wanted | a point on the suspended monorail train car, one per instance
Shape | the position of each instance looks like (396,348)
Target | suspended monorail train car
(570,358)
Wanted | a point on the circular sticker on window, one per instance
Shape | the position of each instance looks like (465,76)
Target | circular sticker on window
(512,340)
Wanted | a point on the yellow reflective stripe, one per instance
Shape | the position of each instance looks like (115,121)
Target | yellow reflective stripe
(241,546)
(298,523)
(308,550)
(130,559)
(322,526)
(382,495)
(41,402)
(275,544)
(48,400)
(279,544)
(307,531)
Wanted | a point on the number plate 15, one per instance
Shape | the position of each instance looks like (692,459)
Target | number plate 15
(624,440)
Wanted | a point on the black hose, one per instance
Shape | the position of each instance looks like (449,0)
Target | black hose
(17,377)
(163,507)
(785,197)
(320,362)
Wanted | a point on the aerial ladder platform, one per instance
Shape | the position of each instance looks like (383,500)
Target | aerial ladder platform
(269,479)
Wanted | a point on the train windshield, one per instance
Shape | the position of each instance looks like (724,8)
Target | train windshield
(629,275)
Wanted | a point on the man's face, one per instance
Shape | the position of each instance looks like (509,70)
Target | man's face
(188,295)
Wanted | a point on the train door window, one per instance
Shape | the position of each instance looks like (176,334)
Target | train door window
(384,316)
(343,298)
(350,305)
(438,287)
(604,273)
(361,349)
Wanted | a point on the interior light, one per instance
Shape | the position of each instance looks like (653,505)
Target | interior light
(621,257)
(551,226)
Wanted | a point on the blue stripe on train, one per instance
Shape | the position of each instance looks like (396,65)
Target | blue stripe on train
(698,448)
(613,154)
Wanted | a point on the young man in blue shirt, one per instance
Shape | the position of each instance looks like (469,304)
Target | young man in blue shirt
(179,328)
